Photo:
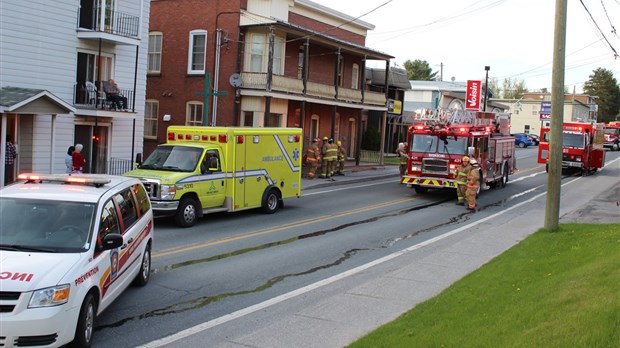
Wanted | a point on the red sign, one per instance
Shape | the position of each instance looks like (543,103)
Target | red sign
(472,101)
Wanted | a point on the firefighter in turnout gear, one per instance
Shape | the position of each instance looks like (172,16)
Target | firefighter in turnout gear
(342,154)
(324,161)
(473,182)
(401,151)
(313,156)
(331,157)
(461,180)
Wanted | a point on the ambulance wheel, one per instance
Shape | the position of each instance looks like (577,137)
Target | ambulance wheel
(86,323)
(187,212)
(420,189)
(145,268)
(271,202)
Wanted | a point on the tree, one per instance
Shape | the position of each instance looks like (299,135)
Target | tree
(510,89)
(419,70)
(603,85)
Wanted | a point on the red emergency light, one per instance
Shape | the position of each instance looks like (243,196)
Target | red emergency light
(188,137)
(222,138)
(239,139)
(212,138)
(170,136)
(204,138)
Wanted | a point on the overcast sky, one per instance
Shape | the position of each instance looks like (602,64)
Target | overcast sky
(513,37)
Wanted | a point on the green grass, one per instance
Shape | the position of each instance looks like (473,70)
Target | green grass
(551,290)
(391,160)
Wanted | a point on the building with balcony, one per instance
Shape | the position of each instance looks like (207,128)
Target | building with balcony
(55,60)
(259,63)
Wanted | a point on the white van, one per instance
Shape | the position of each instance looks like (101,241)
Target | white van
(69,245)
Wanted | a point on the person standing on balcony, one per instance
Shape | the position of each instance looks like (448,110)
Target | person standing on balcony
(9,160)
(113,94)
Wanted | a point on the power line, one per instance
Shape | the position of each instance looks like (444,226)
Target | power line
(613,29)
(599,29)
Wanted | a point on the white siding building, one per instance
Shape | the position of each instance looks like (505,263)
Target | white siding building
(55,57)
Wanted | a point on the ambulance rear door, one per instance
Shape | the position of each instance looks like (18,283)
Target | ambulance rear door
(239,172)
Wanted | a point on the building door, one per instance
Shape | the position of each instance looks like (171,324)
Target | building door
(352,137)
(94,138)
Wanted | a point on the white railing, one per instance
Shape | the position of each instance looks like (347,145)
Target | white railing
(350,95)
(320,90)
(254,80)
(287,84)
(375,98)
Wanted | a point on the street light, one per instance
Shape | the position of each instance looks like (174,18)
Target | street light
(486,86)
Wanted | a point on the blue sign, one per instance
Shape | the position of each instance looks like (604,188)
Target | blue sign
(545,107)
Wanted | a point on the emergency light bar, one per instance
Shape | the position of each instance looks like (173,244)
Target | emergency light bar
(64,178)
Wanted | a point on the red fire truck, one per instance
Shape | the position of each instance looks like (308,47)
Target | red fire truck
(612,136)
(582,147)
(440,140)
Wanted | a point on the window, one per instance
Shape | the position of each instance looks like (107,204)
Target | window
(154,55)
(94,69)
(355,73)
(150,119)
(197,52)
(273,120)
(194,114)
(143,199)
(314,126)
(341,71)
(127,207)
(257,48)
(247,119)
(257,52)
(108,223)
(300,62)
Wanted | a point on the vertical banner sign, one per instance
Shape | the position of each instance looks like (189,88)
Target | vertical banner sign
(545,111)
(472,100)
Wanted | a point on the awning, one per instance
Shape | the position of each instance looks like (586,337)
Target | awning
(18,100)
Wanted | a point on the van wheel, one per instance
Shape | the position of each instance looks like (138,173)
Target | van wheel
(187,212)
(271,202)
(86,323)
(145,268)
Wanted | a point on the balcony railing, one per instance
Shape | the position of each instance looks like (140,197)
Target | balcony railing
(90,98)
(108,21)
(295,86)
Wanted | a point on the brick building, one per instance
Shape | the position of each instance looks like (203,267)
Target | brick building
(278,63)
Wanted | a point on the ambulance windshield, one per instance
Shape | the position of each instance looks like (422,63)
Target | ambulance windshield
(173,158)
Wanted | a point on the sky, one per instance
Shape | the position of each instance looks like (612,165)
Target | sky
(515,38)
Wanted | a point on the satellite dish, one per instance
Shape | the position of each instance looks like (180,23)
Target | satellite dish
(235,80)
(452,78)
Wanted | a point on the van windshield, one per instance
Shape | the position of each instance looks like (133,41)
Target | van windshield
(574,140)
(45,226)
(173,158)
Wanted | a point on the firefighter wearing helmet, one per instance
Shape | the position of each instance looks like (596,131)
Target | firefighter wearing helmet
(340,160)
(313,156)
(324,159)
(331,157)
(402,152)
(462,172)
(473,183)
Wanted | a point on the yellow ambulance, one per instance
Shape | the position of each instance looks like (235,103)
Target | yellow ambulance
(203,170)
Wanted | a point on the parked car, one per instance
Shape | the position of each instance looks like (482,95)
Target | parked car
(535,139)
(523,140)
(69,245)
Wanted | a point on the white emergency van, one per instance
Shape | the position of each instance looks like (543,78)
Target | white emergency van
(203,170)
(69,245)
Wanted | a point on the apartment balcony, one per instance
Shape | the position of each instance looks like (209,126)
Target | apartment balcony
(99,23)
(90,101)
(294,86)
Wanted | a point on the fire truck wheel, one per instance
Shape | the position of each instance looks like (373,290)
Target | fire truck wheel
(187,212)
(615,147)
(505,176)
(420,189)
(271,202)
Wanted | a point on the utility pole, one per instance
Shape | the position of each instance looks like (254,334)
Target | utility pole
(552,208)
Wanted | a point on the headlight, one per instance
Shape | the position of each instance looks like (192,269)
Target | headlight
(48,297)
(578,158)
(416,168)
(168,192)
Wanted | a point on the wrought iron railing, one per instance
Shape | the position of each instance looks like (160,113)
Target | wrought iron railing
(114,22)
(87,96)
(119,166)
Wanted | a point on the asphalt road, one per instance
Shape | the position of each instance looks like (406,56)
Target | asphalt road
(228,262)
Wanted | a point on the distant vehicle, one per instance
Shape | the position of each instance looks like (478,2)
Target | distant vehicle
(535,138)
(523,140)
(612,136)
(69,245)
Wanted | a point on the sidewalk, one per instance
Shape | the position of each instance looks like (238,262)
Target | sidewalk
(336,311)
(353,173)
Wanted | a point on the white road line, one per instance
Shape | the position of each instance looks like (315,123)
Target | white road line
(352,186)
(260,306)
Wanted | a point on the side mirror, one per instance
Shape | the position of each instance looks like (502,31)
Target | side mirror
(112,241)
(139,159)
